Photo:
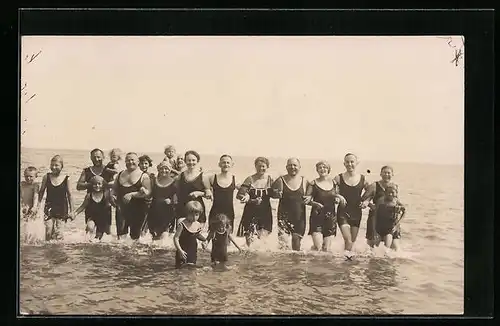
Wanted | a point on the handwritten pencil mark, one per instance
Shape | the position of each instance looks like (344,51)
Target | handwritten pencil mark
(458,51)
(33,57)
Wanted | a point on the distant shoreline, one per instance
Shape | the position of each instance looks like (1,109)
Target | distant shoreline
(272,158)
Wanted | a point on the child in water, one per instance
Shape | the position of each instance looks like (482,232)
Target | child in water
(29,193)
(220,234)
(114,166)
(97,207)
(145,162)
(187,235)
(387,217)
(59,202)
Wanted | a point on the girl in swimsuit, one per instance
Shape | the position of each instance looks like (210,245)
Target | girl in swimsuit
(161,215)
(59,202)
(223,186)
(387,216)
(291,208)
(220,234)
(97,207)
(145,162)
(351,185)
(322,195)
(192,185)
(187,235)
(255,193)
(130,189)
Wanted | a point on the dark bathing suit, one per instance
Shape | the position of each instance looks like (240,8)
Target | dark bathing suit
(100,213)
(379,193)
(292,210)
(161,215)
(325,219)
(185,188)
(133,214)
(189,243)
(56,203)
(258,216)
(223,201)
(386,218)
(108,177)
(219,246)
(352,213)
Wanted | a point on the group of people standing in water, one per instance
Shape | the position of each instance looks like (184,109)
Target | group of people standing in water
(173,201)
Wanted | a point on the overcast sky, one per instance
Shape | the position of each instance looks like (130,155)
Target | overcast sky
(384,98)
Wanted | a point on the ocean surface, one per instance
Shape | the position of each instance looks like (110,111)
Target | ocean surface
(74,276)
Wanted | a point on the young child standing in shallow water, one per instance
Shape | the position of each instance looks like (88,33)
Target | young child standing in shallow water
(351,186)
(29,193)
(59,202)
(388,214)
(220,234)
(187,235)
(97,207)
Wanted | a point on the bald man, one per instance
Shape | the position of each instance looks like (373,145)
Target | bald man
(290,189)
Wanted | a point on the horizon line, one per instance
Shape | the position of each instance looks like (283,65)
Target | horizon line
(246,155)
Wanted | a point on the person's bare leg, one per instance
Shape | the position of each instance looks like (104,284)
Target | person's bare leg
(327,242)
(296,239)
(317,238)
(345,230)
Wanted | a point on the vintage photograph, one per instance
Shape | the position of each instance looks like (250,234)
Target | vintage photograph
(241,175)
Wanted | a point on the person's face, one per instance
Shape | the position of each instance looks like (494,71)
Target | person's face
(194,216)
(180,162)
(386,174)
(170,153)
(225,164)
(350,163)
(261,167)
(390,194)
(293,167)
(98,185)
(191,161)
(322,170)
(131,162)
(144,165)
(96,158)
(55,167)
(30,176)
(163,170)
(114,157)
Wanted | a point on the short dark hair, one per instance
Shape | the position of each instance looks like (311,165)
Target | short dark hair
(145,158)
(261,159)
(192,152)
(96,150)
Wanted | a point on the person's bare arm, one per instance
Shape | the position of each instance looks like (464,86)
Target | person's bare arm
(35,198)
(84,205)
(207,192)
(69,195)
(41,193)
(232,240)
(177,235)
(145,190)
(243,190)
(81,184)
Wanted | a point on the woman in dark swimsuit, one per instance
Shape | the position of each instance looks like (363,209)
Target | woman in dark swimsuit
(131,188)
(223,187)
(322,195)
(186,236)
(161,215)
(191,185)
(351,186)
(255,192)
(291,208)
